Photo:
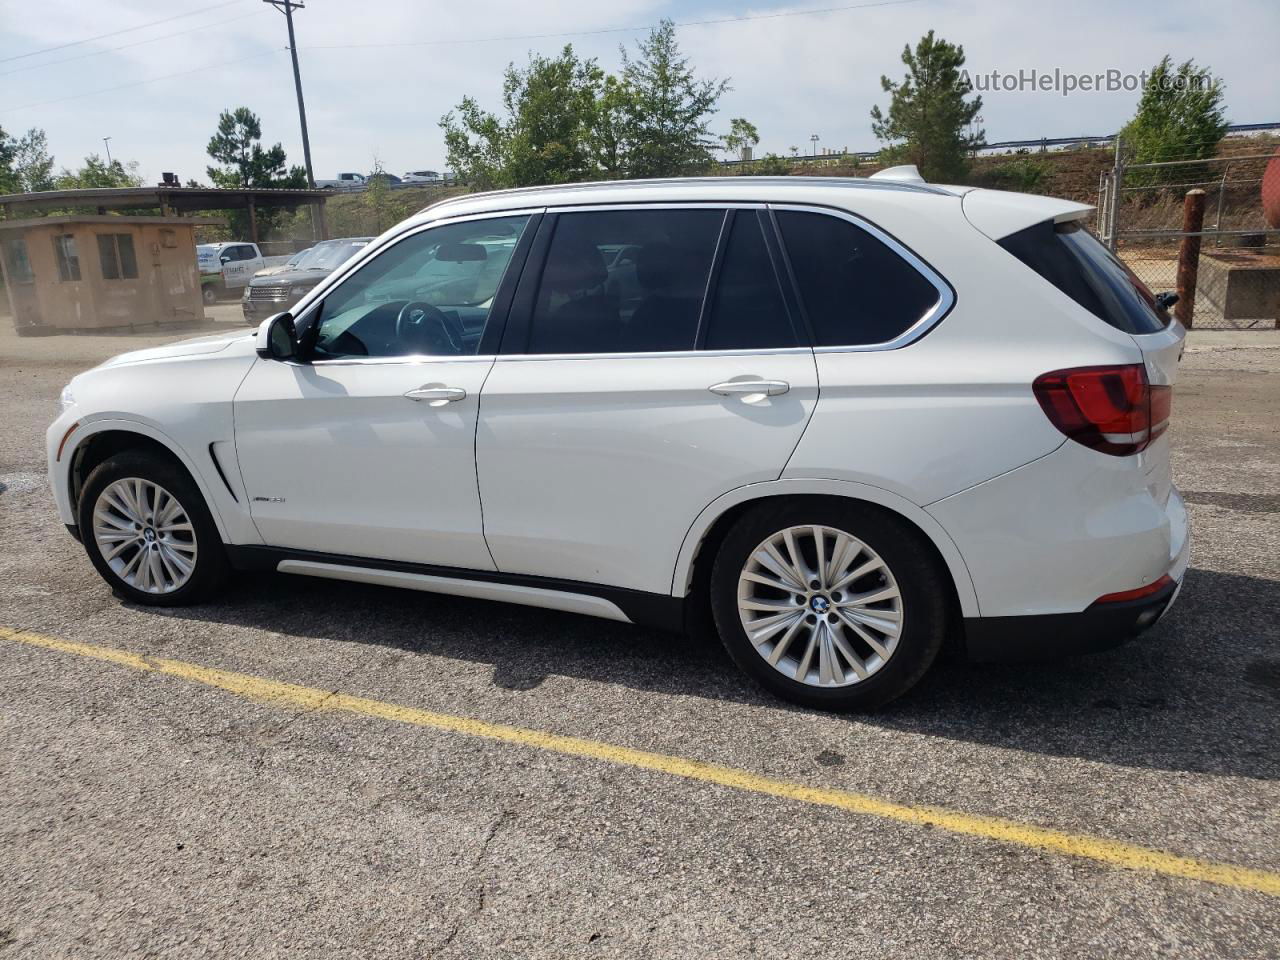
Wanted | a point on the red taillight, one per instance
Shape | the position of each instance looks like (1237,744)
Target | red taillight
(1109,409)
(1137,594)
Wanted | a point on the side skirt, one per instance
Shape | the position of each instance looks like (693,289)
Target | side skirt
(591,599)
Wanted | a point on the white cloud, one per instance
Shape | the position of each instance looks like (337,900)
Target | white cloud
(792,76)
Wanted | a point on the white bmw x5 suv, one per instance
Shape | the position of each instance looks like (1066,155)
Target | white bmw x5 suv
(845,421)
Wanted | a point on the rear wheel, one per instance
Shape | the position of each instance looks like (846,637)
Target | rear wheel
(830,605)
(148,532)
(209,293)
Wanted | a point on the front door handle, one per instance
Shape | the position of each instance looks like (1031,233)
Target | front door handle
(743,388)
(437,395)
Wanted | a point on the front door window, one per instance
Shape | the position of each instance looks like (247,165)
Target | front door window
(428,295)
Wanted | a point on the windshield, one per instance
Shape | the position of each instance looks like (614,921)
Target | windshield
(331,255)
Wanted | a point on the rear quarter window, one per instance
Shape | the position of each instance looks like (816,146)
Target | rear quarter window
(856,290)
(1076,262)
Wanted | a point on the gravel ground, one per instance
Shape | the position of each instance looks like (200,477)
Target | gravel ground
(143,815)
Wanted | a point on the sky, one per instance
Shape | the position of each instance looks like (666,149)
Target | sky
(379,74)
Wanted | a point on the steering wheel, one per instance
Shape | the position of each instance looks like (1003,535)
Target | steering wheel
(418,322)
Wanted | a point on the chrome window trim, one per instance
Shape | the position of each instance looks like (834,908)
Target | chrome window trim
(416,358)
(930,319)
(658,205)
(656,354)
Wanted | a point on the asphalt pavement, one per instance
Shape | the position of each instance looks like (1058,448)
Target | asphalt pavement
(455,778)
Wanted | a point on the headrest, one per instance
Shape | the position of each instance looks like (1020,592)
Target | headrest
(575,263)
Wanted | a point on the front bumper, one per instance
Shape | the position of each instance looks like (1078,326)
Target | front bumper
(255,311)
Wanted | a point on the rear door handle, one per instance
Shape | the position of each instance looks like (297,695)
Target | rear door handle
(768,388)
(436,394)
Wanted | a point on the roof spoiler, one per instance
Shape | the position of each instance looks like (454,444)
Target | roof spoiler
(998,213)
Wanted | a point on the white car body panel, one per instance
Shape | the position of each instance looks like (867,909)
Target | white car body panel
(336,459)
(592,469)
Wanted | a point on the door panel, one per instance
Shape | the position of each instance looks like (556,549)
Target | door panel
(336,459)
(592,469)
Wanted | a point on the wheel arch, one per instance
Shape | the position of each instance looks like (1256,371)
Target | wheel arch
(102,439)
(711,525)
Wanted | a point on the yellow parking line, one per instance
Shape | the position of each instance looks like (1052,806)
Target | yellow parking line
(275,693)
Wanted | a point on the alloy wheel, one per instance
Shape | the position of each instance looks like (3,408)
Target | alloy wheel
(145,535)
(820,606)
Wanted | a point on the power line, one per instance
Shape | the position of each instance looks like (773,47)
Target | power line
(138,83)
(126,46)
(604,30)
(116,33)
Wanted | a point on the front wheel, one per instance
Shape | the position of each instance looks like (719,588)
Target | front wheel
(148,532)
(829,605)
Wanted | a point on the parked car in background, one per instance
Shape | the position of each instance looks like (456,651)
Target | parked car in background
(390,179)
(846,421)
(225,267)
(264,296)
(422,176)
(282,267)
(349,182)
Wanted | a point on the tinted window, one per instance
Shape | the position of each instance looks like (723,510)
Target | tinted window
(1074,261)
(748,311)
(624,281)
(429,294)
(854,288)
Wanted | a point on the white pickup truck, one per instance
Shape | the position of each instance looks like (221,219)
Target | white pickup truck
(346,182)
(225,267)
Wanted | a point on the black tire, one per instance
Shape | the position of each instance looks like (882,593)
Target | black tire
(209,294)
(922,581)
(211,565)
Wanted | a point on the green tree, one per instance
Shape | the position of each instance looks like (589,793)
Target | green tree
(9,180)
(742,133)
(237,146)
(770,165)
(929,117)
(668,110)
(547,133)
(32,162)
(97,172)
(1180,116)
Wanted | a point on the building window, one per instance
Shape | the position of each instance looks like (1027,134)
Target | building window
(64,247)
(115,251)
(17,263)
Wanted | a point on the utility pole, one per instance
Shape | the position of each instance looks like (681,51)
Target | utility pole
(106,142)
(287,7)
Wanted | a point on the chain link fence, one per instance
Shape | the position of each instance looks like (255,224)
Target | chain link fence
(1230,275)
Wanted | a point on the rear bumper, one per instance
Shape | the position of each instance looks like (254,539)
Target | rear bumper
(1049,636)
(1100,626)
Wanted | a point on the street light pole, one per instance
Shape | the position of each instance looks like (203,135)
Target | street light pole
(106,142)
(814,138)
(287,7)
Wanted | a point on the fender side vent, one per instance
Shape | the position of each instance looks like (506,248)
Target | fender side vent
(218,466)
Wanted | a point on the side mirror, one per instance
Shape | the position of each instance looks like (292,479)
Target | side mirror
(225,259)
(277,339)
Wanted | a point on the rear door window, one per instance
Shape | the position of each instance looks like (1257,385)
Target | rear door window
(747,311)
(624,281)
(1076,262)
(856,290)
